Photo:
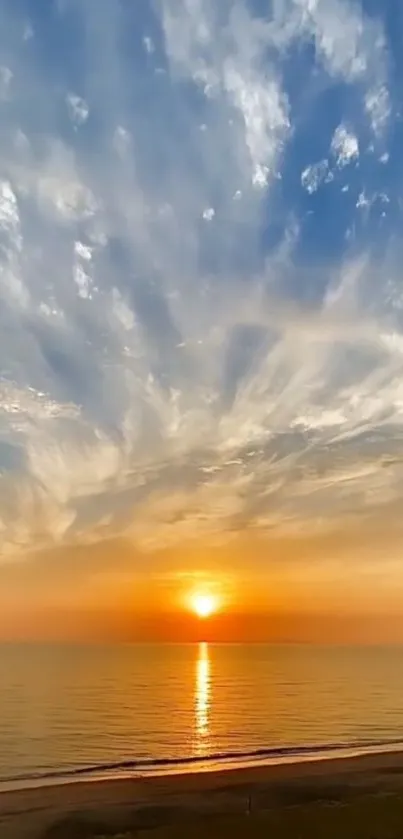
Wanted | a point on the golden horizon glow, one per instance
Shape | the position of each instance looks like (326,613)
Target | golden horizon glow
(204,605)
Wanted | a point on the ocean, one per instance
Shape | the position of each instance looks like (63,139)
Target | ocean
(67,710)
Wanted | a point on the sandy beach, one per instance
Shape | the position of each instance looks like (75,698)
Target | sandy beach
(236,802)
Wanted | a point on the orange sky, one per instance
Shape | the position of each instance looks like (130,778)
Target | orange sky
(333,589)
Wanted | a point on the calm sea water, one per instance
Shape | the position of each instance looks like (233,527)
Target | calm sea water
(62,708)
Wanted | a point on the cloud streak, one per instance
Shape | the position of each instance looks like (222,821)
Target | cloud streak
(201,327)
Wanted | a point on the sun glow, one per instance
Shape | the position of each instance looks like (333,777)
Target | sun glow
(203,605)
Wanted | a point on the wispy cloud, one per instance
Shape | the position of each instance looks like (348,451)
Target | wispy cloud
(188,349)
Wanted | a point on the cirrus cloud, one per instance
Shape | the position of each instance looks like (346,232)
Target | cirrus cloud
(200,334)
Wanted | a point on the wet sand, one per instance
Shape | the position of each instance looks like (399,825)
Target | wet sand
(167,805)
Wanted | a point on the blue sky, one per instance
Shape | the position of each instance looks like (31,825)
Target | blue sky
(200,255)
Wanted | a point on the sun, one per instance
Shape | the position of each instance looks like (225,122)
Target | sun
(203,605)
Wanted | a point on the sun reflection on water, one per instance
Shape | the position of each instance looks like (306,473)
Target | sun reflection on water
(202,698)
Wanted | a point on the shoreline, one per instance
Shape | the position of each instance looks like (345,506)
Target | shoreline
(211,763)
(115,803)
